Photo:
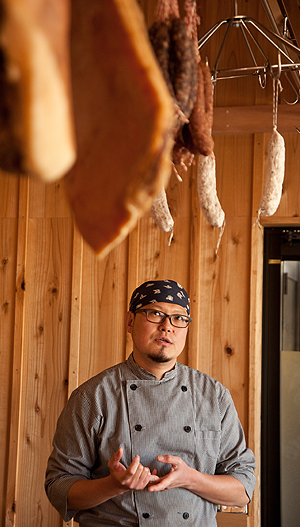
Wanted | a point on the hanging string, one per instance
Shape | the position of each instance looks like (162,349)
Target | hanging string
(276,87)
(275,103)
(171,237)
(220,238)
(258,220)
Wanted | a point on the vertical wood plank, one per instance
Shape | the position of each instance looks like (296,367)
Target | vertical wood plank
(9,195)
(255,326)
(75,322)
(8,258)
(45,363)
(48,200)
(255,335)
(104,296)
(133,279)
(209,284)
(17,353)
(75,318)
(231,319)
(194,335)
(260,154)
(224,281)
(202,250)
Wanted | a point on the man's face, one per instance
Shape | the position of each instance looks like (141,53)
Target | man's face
(156,343)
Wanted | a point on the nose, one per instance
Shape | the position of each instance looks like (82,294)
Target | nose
(166,325)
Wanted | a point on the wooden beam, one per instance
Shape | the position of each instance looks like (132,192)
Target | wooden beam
(255,119)
(13,456)
(75,311)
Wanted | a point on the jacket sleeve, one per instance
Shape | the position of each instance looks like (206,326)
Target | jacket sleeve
(235,459)
(75,450)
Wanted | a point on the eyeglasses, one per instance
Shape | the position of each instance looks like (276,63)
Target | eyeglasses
(158,317)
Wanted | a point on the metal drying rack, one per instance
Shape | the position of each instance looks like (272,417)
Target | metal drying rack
(281,44)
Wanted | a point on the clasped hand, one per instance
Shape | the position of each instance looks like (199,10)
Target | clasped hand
(137,477)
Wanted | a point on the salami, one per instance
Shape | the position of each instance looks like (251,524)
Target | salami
(183,66)
(207,192)
(161,213)
(275,175)
(202,115)
(160,39)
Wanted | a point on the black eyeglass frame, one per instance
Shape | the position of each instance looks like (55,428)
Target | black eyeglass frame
(165,316)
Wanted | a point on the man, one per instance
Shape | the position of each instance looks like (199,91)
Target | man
(150,441)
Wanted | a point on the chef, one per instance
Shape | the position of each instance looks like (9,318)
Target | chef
(150,442)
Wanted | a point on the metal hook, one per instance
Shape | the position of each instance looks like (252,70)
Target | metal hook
(262,79)
(285,29)
(295,90)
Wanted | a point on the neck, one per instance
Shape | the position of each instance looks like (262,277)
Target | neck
(155,367)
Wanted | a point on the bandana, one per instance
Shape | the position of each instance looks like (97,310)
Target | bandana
(159,291)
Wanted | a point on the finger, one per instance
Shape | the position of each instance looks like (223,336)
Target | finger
(154,479)
(144,478)
(171,460)
(139,473)
(139,480)
(133,465)
(119,454)
(164,483)
(116,457)
(157,487)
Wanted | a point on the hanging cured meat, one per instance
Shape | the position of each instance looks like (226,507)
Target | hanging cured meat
(161,214)
(175,51)
(207,190)
(36,122)
(201,120)
(123,119)
(272,191)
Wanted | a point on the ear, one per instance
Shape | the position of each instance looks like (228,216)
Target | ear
(129,321)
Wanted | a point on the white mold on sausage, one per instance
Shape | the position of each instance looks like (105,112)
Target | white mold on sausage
(207,191)
(160,212)
(275,175)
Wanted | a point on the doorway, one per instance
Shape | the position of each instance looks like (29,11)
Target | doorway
(280,470)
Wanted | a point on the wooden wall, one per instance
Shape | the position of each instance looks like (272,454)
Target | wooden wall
(62,310)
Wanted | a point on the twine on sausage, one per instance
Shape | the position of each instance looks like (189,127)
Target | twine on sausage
(220,237)
(276,87)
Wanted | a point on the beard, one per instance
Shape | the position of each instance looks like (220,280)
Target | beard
(160,357)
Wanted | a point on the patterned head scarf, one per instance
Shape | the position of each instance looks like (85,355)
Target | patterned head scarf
(159,291)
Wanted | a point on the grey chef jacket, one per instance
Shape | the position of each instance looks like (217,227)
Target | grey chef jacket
(186,414)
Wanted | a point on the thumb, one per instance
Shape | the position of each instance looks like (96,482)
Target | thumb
(116,457)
